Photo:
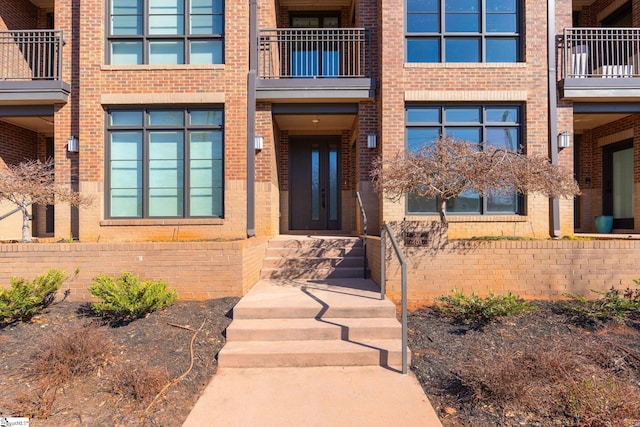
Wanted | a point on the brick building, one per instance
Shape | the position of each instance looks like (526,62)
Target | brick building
(212,119)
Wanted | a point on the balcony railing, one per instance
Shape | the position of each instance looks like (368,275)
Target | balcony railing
(601,52)
(312,53)
(30,55)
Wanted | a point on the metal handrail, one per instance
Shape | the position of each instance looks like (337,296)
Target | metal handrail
(31,55)
(8,214)
(313,53)
(601,52)
(363,214)
(403,265)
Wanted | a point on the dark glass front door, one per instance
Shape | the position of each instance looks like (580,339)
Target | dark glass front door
(314,183)
(618,183)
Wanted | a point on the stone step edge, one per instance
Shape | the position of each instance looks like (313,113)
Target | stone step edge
(303,244)
(309,329)
(312,353)
(281,312)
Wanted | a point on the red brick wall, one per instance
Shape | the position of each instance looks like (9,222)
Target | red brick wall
(17,144)
(524,83)
(84,26)
(18,15)
(592,144)
(197,270)
(599,6)
(536,269)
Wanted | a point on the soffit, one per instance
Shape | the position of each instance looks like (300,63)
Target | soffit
(582,122)
(315,122)
(36,124)
(315,5)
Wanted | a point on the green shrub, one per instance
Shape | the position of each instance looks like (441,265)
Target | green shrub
(474,309)
(611,305)
(126,298)
(25,299)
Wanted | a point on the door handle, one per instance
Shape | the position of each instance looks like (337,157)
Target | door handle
(322,195)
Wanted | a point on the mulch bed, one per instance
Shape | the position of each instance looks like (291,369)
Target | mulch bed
(446,359)
(161,341)
(452,361)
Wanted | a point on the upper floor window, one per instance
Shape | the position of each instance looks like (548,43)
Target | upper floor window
(166,32)
(492,124)
(463,31)
(165,163)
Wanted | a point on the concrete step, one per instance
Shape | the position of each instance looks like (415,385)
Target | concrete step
(315,242)
(306,263)
(270,354)
(310,273)
(315,252)
(313,329)
(274,311)
(329,298)
(313,257)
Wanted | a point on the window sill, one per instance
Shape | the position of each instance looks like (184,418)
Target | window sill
(449,65)
(148,67)
(164,221)
(453,218)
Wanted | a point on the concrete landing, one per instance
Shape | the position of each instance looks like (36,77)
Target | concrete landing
(307,352)
(368,396)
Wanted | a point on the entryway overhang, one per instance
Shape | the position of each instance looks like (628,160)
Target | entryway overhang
(35,118)
(590,115)
(315,90)
(34,92)
(600,89)
(315,118)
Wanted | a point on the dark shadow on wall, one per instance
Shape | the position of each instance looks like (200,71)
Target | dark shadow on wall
(74,99)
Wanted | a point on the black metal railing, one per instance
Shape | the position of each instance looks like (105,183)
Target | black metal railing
(31,55)
(601,53)
(384,231)
(363,215)
(312,53)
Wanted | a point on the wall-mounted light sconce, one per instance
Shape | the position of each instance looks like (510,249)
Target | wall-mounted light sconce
(372,140)
(563,140)
(73,145)
(259,142)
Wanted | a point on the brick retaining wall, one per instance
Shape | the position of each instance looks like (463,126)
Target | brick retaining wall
(533,269)
(197,270)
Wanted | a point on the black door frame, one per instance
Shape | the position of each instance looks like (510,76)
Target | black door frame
(607,182)
(300,202)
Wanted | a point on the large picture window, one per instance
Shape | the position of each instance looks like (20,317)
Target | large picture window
(166,32)
(496,125)
(165,163)
(463,31)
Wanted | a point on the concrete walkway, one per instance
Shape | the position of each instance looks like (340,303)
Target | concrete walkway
(312,386)
(312,397)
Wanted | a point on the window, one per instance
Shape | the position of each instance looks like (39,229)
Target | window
(166,31)
(462,31)
(164,163)
(496,125)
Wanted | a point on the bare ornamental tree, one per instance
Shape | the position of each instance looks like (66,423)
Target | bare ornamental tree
(33,182)
(449,167)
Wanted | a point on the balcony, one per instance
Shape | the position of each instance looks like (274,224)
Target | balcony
(31,68)
(314,64)
(600,64)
